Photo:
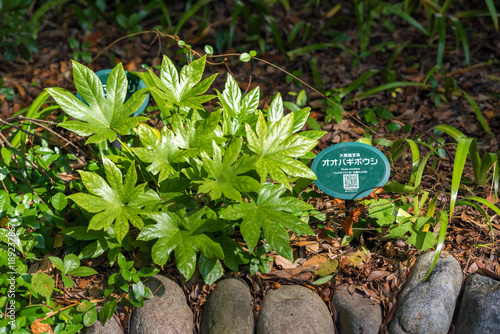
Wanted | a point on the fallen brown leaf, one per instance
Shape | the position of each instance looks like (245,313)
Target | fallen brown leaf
(286,273)
(312,247)
(284,263)
(376,275)
(38,328)
(351,219)
(356,258)
(316,260)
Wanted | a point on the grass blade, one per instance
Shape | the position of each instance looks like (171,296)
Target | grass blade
(421,167)
(432,206)
(20,137)
(476,161)
(276,33)
(495,177)
(441,25)
(358,82)
(317,79)
(458,168)
(415,154)
(397,148)
(395,55)
(493,12)
(387,86)
(443,218)
(480,209)
(463,38)
(479,114)
(398,188)
(187,15)
(433,70)
(487,162)
(449,130)
(306,49)
(484,202)
(409,19)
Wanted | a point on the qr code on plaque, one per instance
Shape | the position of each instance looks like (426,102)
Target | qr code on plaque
(351,181)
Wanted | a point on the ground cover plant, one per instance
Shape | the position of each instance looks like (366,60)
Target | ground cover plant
(202,178)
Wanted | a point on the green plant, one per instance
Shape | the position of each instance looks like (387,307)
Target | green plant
(19,25)
(71,266)
(127,282)
(6,93)
(414,216)
(222,161)
(371,114)
(16,35)
(32,207)
(79,50)
(485,168)
(438,19)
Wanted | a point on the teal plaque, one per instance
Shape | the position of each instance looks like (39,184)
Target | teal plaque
(350,170)
(134,84)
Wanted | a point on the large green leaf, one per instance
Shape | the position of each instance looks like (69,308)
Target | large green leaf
(103,117)
(224,173)
(274,215)
(276,147)
(184,89)
(196,136)
(43,284)
(160,152)
(111,200)
(183,236)
(211,269)
(237,109)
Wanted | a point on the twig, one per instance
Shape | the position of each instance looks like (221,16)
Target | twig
(26,160)
(53,132)
(177,39)
(31,120)
(316,91)
(157,32)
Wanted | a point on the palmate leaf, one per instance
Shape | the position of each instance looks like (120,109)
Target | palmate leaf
(103,117)
(160,151)
(183,236)
(237,109)
(272,214)
(276,146)
(183,89)
(112,200)
(224,173)
(196,136)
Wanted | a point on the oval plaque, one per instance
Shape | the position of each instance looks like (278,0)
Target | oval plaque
(350,170)
(134,84)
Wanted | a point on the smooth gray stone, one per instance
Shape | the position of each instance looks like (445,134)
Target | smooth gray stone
(294,309)
(480,308)
(228,309)
(111,327)
(427,307)
(355,313)
(167,313)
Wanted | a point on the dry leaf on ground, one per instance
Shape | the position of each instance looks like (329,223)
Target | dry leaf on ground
(38,328)
(284,263)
